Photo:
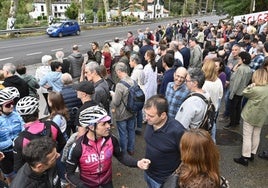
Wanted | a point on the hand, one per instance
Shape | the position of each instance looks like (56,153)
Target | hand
(112,93)
(144,164)
(2,156)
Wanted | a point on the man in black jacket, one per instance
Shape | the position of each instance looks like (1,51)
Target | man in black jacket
(12,80)
(39,171)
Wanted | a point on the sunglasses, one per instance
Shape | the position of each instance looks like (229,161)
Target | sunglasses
(9,104)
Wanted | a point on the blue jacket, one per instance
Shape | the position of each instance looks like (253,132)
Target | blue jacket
(52,79)
(10,126)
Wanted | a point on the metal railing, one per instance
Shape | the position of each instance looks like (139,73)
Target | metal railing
(43,29)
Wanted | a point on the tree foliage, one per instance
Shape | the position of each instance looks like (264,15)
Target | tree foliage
(72,11)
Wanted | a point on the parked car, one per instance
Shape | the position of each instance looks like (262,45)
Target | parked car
(63,28)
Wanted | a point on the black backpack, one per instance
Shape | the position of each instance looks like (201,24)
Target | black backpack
(209,118)
(45,132)
(136,97)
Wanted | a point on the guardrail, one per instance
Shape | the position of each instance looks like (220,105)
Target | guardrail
(43,29)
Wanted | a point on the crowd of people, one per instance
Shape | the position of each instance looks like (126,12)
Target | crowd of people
(86,94)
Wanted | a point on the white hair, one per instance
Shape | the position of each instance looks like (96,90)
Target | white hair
(45,59)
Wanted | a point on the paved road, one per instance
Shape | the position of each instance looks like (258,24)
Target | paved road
(229,144)
(30,50)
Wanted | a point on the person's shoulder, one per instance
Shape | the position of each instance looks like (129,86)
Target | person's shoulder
(175,124)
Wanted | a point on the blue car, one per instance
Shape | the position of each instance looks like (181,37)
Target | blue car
(63,28)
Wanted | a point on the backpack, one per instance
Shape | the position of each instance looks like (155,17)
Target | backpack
(135,99)
(209,118)
(45,132)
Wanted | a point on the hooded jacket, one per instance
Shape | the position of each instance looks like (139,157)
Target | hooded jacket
(76,60)
(19,83)
(32,83)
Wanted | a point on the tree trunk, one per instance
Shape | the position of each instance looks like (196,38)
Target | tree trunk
(12,14)
(49,12)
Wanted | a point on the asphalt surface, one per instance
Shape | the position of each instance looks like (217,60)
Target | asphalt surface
(229,144)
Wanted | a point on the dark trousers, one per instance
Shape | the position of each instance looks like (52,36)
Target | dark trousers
(235,110)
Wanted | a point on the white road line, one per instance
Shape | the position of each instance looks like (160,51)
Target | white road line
(6,58)
(35,53)
(56,49)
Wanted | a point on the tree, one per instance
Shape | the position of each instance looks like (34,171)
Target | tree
(72,11)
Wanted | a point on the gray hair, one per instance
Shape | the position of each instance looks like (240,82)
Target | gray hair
(198,75)
(66,79)
(59,54)
(10,68)
(120,66)
(135,58)
(45,59)
(93,66)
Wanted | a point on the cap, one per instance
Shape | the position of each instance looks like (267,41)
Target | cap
(105,119)
(85,86)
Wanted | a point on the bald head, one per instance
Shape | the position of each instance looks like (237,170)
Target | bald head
(179,76)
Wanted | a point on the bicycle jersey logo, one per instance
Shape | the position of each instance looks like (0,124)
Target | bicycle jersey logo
(91,158)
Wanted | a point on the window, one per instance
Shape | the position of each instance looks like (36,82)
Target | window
(42,8)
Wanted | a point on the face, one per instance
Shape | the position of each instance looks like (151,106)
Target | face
(152,117)
(217,65)
(51,159)
(93,46)
(89,75)
(5,72)
(8,107)
(191,43)
(80,94)
(189,82)
(179,77)
(146,57)
(103,129)
(131,63)
(235,51)
(59,69)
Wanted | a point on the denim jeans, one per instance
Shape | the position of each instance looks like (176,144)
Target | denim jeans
(126,130)
(139,118)
(150,182)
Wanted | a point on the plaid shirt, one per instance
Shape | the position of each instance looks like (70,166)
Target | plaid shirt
(175,98)
(256,62)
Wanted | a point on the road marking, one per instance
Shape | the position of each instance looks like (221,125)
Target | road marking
(56,49)
(35,53)
(6,58)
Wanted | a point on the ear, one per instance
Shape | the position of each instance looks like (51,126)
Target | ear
(163,115)
(91,127)
(39,167)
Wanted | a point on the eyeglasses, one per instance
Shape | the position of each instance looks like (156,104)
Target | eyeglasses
(9,104)
(181,77)
(188,80)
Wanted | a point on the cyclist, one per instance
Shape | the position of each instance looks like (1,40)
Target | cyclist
(93,152)
(27,107)
(11,125)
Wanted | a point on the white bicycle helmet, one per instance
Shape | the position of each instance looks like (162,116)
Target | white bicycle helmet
(5,96)
(14,92)
(27,105)
(93,115)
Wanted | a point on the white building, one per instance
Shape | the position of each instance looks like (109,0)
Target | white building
(155,9)
(58,8)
